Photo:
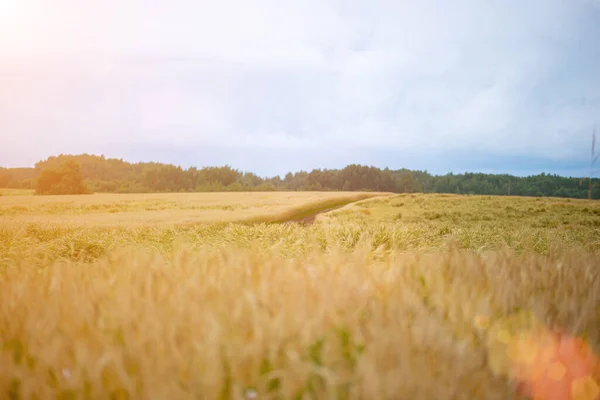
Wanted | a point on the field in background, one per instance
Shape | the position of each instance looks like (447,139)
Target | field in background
(16,192)
(399,296)
(160,209)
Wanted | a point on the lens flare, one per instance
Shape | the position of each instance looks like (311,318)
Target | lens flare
(545,364)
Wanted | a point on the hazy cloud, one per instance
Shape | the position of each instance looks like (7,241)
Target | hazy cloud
(393,83)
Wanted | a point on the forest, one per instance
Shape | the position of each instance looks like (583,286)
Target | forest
(101,174)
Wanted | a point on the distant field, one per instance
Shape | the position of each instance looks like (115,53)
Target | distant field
(163,208)
(398,296)
(415,221)
(15,192)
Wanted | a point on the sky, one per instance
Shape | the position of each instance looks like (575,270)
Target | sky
(271,86)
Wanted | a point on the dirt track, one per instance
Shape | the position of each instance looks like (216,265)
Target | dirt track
(310,219)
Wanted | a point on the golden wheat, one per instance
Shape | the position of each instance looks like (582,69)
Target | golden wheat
(109,210)
(441,301)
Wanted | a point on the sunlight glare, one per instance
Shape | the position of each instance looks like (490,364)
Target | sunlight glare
(16,26)
(10,11)
(8,8)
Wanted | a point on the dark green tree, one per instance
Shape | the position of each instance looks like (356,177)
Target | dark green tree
(102,174)
(66,179)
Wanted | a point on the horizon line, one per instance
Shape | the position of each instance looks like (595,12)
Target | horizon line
(297,171)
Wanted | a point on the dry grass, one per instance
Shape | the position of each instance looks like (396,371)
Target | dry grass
(363,304)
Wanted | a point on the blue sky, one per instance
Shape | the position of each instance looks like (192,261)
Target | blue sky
(269,86)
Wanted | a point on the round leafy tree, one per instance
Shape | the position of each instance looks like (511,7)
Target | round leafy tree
(66,179)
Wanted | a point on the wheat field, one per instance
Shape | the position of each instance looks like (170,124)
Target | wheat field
(388,297)
(160,209)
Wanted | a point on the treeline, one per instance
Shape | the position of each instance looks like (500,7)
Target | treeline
(102,174)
